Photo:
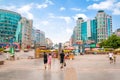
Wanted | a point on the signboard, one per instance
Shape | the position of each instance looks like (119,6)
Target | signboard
(92,45)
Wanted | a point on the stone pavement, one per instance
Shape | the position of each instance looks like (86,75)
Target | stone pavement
(86,67)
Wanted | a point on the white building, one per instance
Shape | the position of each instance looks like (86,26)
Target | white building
(26,32)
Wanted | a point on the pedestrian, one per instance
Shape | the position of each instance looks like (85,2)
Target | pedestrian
(62,55)
(110,57)
(45,60)
(49,60)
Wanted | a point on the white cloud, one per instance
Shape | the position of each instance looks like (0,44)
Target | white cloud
(45,23)
(62,9)
(49,2)
(75,9)
(111,5)
(41,6)
(67,19)
(45,4)
(107,4)
(116,10)
(80,15)
(68,30)
(10,7)
(25,10)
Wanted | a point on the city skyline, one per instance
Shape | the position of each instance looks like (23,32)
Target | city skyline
(58,18)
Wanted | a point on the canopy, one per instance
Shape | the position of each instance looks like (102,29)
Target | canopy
(70,48)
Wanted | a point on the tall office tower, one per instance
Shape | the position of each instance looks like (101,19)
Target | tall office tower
(78,28)
(104,25)
(88,31)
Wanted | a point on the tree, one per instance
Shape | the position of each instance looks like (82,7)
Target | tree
(113,42)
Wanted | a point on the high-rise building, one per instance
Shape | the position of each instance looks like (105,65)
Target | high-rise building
(88,31)
(104,25)
(39,37)
(26,39)
(78,28)
(94,30)
(42,38)
(9,23)
(76,36)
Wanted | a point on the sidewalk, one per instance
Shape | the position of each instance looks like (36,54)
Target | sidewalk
(87,67)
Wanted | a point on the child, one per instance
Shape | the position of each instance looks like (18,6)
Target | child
(49,60)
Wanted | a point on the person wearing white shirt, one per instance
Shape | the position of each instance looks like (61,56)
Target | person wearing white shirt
(111,57)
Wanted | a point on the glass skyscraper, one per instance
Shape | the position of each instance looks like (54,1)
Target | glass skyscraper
(88,31)
(84,31)
(9,22)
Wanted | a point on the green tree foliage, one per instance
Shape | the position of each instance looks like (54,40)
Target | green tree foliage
(112,42)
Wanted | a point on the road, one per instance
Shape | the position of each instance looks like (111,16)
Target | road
(86,67)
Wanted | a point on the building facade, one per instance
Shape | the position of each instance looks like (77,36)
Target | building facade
(89,31)
(9,23)
(38,37)
(26,33)
(104,25)
(94,30)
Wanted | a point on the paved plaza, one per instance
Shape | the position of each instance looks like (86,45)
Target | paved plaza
(83,67)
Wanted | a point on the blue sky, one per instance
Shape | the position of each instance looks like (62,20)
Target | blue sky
(57,18)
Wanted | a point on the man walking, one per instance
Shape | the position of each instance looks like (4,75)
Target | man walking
(111,57)
(45,60)
(62,55)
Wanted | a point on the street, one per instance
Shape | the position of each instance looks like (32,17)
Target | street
(83,67)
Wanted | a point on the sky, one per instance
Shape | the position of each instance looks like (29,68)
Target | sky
(57,18)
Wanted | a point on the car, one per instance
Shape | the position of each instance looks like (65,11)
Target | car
(26,50)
